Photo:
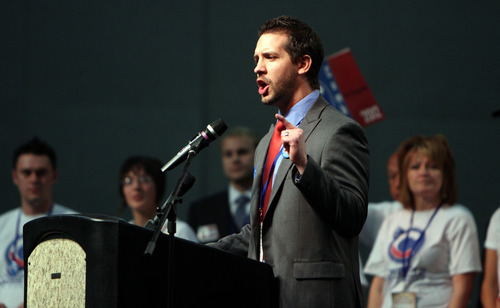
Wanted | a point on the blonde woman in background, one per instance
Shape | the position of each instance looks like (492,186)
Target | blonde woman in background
(427,253)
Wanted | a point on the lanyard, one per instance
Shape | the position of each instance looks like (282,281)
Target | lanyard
(407,261)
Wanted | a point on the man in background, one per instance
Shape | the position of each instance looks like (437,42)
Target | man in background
(227,211)
(34,172)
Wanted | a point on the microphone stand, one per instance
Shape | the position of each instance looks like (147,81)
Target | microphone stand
(169,211)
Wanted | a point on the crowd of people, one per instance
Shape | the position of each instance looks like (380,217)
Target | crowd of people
(298,200)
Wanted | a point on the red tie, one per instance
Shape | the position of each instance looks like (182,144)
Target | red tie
(274,148)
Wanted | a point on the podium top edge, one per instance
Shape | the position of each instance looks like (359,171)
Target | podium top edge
(84,217)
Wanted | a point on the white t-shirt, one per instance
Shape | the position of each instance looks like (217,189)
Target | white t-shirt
(493,238)
(448,247)
(12,256)
(377,212)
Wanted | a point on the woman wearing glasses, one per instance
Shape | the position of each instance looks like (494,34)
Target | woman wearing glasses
(142,185)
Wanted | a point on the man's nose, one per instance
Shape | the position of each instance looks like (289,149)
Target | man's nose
(259,68)
(35,176)
(234,156)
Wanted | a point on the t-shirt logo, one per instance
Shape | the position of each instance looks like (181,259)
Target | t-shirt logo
(15,256)
(406,243)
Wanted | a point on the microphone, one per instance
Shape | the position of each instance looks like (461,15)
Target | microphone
(213,131)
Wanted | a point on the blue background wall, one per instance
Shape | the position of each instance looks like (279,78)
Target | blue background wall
(103,80)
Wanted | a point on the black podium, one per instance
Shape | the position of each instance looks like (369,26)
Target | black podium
(99,261)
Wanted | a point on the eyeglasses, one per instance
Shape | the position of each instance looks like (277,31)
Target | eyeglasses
(140,179)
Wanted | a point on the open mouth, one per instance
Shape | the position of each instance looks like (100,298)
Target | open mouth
(263,87)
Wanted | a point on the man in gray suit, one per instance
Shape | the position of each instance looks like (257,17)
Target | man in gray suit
(318,183)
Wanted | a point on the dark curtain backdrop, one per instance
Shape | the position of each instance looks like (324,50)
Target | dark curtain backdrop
(103,80)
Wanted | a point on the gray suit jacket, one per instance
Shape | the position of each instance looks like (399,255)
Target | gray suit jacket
(311,227)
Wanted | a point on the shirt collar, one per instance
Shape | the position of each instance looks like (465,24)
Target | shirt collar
(299,110)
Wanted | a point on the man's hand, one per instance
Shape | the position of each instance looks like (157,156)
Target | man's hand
(294,143)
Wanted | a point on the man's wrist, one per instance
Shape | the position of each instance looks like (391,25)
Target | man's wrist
(302,166)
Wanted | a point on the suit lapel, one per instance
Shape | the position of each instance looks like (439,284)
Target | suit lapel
(308,124)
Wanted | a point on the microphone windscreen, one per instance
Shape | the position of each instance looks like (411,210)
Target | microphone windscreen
(219,127)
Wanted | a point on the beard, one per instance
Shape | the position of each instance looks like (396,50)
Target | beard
(282,93)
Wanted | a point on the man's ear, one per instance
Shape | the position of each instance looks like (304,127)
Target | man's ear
(304,64)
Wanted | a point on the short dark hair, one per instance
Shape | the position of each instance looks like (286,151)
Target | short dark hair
(37,147)
(151,166)
(302,40)
(241,131)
